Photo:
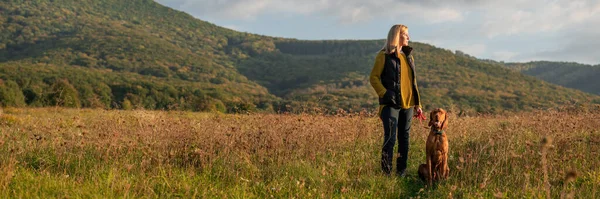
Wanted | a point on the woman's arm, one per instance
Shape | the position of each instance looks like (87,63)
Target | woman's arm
(375,76)
(417,99)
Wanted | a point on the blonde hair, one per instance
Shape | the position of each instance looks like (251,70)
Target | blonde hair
(393,39)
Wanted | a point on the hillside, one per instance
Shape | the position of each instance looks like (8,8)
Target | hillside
(335,73)
(572,75)
(140,54)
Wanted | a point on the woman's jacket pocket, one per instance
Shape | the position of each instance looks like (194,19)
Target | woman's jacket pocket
(389,98)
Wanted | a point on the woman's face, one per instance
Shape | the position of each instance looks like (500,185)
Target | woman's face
(404,37)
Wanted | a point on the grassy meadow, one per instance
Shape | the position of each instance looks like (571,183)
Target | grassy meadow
(86,153)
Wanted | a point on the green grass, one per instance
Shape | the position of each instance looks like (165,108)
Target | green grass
(69,153)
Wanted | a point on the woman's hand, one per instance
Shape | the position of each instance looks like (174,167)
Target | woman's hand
(418,110)
(419,113)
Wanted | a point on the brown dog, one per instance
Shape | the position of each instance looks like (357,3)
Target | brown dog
(436,146)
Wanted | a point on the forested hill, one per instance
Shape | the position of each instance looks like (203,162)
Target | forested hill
(335,73)
(122,54)
(568,74)
(140,54)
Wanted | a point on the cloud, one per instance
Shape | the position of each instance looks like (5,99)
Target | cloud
(580,45)
(503,55)
(537,16)
(233,9)
(495,18)
(474,49)
(345,11)
(510,30)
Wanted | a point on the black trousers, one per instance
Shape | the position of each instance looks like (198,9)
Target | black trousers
(396,124)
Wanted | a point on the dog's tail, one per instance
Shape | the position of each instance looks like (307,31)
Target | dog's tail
(423,172)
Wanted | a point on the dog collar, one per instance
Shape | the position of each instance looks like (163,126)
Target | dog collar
(439,132)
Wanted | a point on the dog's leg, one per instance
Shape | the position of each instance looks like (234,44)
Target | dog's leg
(429,172)
(445,169)
(443,166)
(436,171)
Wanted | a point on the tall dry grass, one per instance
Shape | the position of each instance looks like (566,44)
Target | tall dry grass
(54,152)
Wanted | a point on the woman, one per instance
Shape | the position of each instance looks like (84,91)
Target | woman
(394,79)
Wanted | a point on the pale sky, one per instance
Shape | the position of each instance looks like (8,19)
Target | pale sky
(509,30)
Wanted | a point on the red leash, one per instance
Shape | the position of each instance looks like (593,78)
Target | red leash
(421,117)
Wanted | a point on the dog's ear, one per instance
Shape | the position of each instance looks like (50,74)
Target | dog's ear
(445,123)
(431,118)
